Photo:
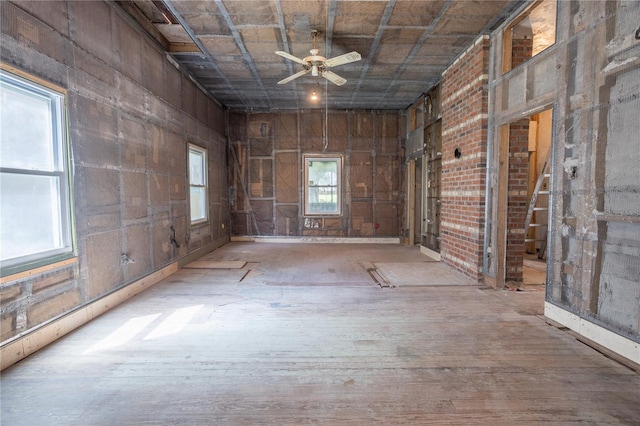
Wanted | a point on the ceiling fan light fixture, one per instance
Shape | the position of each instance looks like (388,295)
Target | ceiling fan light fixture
(314,70)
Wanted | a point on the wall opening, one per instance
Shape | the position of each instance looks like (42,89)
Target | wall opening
(530,33)
(525,223)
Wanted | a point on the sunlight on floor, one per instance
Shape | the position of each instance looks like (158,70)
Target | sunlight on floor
(171,325)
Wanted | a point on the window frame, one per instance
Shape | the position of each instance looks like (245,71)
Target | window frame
(59,172)
(507,35)
(203,153)
(308,212)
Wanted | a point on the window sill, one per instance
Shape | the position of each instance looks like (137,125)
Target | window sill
(39,270)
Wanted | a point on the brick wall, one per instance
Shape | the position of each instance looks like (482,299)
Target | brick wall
(521,50)
(464,90)
(517,198)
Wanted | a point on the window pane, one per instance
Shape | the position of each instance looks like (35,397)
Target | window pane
(198,200)
(323,172)
(322,186)
(30,219)
(196,168)
(26,129)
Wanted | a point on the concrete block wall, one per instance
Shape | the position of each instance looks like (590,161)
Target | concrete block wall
(131,115)
(464,107)
(266,167)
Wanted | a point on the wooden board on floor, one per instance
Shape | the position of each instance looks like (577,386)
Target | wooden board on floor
(419,274)
(216,264)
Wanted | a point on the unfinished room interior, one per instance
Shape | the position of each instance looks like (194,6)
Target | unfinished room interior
(334,212)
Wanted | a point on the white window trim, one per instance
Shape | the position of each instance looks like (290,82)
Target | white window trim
(205,176)
(322,157)
(62,172)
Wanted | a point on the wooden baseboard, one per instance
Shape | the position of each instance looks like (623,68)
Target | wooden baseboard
(23,346)
(618,344)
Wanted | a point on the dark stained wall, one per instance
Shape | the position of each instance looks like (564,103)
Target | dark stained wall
(266,172)
(131,114)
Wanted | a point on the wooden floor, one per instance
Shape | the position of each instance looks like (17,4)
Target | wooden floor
(302,334)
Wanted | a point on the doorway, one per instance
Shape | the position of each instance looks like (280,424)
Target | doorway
(537,218)
(524,200)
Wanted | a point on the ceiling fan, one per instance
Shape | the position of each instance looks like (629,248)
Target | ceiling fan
(319,65)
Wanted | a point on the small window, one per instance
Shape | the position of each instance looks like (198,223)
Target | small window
(35,202)
(529,34)
(322,185)
(198,184)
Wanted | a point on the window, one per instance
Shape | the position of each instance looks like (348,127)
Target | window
(322,185)
(529,34)
(35,207)
(198,184)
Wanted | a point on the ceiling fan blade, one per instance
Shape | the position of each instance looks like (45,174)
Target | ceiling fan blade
(343,59)
(294,76)
(291,57)
(334,78)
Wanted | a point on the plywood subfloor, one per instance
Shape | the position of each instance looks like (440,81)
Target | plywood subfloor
(195,351)
(420,274)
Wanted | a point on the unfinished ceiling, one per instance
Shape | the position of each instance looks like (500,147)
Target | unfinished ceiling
(229,46)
